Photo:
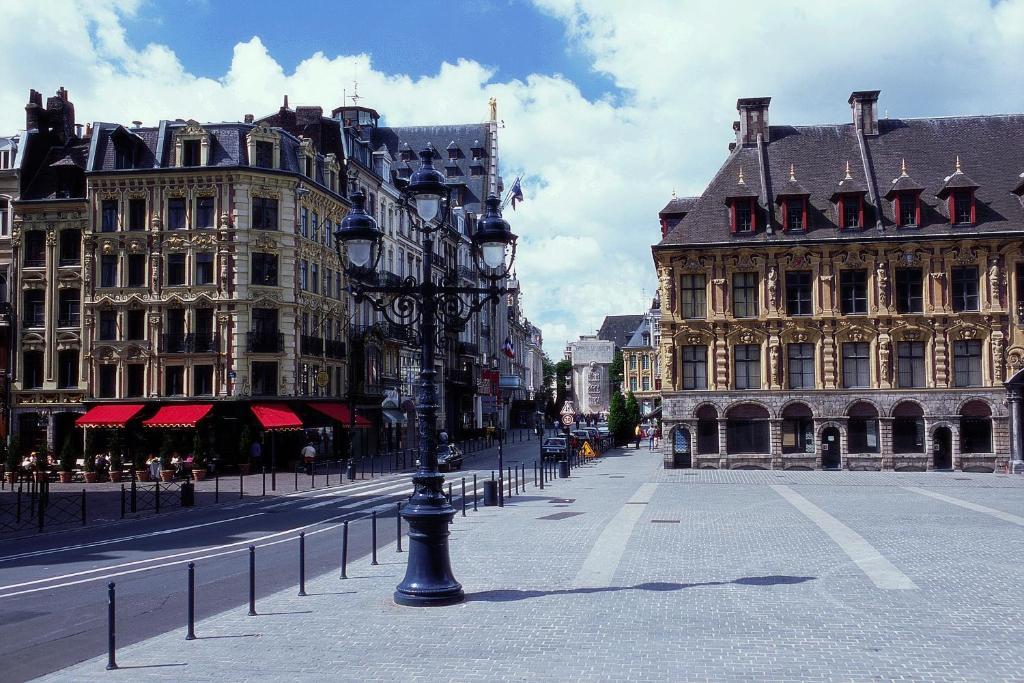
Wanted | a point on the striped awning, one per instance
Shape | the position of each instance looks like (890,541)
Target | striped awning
(181,415)
(276,416)
(109,415)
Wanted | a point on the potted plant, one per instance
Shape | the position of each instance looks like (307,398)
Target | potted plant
(67,460)
(12,460)
(199,457)
(166,470)
(244,440)
(116,456)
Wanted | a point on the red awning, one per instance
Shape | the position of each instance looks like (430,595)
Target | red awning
(340,413)
(276,416)
(109,415)
(186,415)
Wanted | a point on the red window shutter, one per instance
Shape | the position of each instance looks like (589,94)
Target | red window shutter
(753,215)
(860,212)
(841,210)
(973,205)
(732,215)
(803,219)
(785,215)
(951,202)
(917,210)
(899,213)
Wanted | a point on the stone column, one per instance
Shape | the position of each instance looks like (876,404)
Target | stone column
(723,459)
(1016,436)
(885,442)
(775,439)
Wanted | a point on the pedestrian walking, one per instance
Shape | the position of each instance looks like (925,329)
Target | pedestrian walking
(442,438)
(650,438)
(309,456)
(256,455)
(638,434)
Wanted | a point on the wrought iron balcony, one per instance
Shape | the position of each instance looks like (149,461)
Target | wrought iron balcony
(387,279)
(33,321)
(204,342)
(402,333)
(467,273)
(192,342)
(33,261)
(459,376)
(311,346)
(70,320)
(334,348)
(265,342)
(468,348)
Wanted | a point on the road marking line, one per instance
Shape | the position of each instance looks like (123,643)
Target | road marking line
(881,571)
(336,493)
(599,568)
(999,514)
(136,537)
(243,543)
(324,503)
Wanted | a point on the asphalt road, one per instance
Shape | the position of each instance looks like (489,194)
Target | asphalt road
(53,588)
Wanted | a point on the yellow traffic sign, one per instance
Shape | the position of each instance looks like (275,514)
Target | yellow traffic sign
(587,451)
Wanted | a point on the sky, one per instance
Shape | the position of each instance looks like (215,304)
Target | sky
(608,106)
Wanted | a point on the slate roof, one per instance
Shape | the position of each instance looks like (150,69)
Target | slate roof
(678,205)
(464,138)
(990,149)
(43,163)
(619,328)
(636,340)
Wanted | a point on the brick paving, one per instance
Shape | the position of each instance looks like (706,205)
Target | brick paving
(722,579)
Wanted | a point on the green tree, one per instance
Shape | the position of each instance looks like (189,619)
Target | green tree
(615,372)
(618,422)
(89,451)
(562,368)
(632,412)
(244,441)
(200,450)
(68,454)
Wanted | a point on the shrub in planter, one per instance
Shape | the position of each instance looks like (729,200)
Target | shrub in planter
(116,465)
(67,460)
(199,457)
(166,471)
(10,463)
(244,442)
(89,458)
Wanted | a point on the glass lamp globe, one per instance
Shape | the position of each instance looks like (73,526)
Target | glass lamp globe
(359,252)
(493,254)
(427,206)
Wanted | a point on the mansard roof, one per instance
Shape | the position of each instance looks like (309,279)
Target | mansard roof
(636,340)
(991,147)
(619,328)
(464,137)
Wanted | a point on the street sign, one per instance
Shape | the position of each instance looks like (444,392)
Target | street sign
(587,451)
(323,378)
(567,420)
(567,409)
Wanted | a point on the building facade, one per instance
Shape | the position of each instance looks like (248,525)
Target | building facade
(641,366)
(846,295)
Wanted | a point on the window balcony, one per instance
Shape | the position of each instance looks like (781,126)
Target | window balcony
(70,320)
(311,346)
(334,348)
(265,342)
(468,349)
(402,333)
(464,377)
(33,322)
(32,261)
(193,342)
(467,273)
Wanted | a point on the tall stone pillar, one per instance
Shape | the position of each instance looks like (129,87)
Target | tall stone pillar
(1016,435)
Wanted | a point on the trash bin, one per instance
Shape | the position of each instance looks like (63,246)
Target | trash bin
(490,492)
(188,494)
(351,473)
(563,469)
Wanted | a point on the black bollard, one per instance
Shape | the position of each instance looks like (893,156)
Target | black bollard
(509,482)
(344,548)
(302,564)
(124,500)
(216,486)
(134,498)
(264,480)
(517,478)
(111,636)
(191,635)
(449,493)
(373,534)
(156,498)
(83,507)
(398,525)
(463,496)
(474,493)
(241,484)
(252,581)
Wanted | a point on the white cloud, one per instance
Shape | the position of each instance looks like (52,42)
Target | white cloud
(595,172)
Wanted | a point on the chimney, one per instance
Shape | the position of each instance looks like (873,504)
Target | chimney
(753,119)
(61,115)
(249,118)
(32,109)
(864,104)
(136,124)
(307,115)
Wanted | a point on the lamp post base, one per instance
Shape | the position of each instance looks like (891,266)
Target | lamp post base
(1017,467)
(429,581)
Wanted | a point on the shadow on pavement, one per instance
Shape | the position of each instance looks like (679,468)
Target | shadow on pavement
(513,595)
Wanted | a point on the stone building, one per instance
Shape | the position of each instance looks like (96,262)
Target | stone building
(9,192)
(641,368)
(591,360)
(846,295)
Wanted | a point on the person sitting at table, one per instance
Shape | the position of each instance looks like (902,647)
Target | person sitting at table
(102,466)
(153,463)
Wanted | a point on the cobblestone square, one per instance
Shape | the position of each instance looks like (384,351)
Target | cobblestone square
(665,575)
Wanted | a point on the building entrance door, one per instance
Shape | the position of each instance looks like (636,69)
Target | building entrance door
(942,446)
(831,453)
(681,448)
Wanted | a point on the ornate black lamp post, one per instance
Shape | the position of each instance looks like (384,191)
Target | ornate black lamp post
(428,578)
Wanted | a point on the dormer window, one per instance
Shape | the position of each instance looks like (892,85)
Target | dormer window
(962,207)
(743,215)
(190,155)
(851,215)
(958,191)
(124,156)
(308,169)
(264,154)
(795,214)
(908,210)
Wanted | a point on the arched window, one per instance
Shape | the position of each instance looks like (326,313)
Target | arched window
(908,428)
(862,428)
(976,428)
(746,429)
(797,429)
(707,430)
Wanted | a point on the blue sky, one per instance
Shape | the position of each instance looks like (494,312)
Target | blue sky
(406,37)
(608,105)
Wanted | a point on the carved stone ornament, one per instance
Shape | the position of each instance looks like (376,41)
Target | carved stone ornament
(748,261)
(176,243)
(995,280)
(912,335)
(136,246)
(204,241)
(882,279)
(177,193)
(997,357)
(1016,360)
(155,319)
(827,278)
(225,220)
(884,354)
(263,191)
(939,277)
(108,247)
(968,333)
(910,258)
(856,335)
(692,263)
(774,366)
(108,194)
(800,337)
(224,318)
(265,243)
(719,281)
(773,286)
(747,337)
(192,128)
(694,339)
(965,255)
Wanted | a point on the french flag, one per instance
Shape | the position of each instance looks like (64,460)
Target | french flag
(508,348)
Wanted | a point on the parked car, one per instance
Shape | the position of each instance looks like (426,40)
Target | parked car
(449,458)
(554,448)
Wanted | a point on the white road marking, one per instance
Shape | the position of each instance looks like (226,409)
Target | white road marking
(332,501)
(998,514)
(122,539)
(599,568)
(237,546)
(336,493)
(881,571)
